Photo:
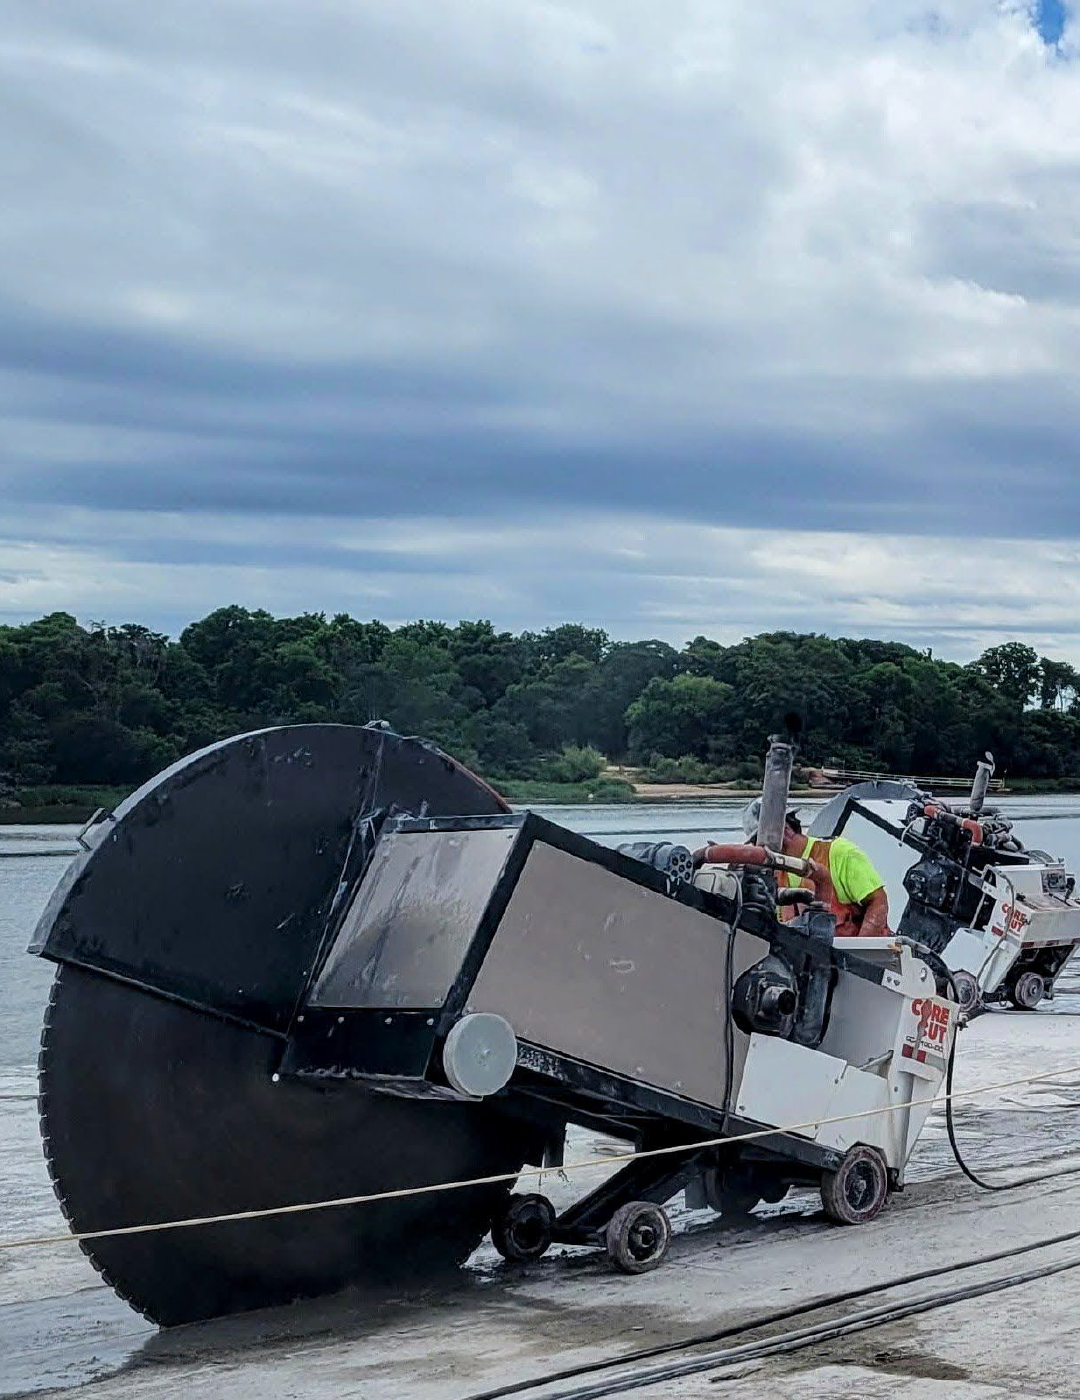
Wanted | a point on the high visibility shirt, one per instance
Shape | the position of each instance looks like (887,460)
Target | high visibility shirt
(851,880)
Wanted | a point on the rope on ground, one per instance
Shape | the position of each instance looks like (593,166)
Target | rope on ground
(590,1164)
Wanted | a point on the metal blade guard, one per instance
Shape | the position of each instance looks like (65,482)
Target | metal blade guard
(612,975)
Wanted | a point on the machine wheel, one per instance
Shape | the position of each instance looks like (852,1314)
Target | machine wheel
(1028,990)
(523,1229)
(969,992)
(731,1197)
(638,1236)
(856,1191)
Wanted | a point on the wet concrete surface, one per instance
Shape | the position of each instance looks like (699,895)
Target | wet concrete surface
(62,1331)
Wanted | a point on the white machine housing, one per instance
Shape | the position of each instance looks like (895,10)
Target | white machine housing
(883,1058)
(1034,908)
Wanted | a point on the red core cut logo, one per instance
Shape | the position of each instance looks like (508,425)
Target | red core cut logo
(933,1019)
(929,1035)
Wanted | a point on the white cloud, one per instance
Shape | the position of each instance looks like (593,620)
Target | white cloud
(769,268)
(664,579)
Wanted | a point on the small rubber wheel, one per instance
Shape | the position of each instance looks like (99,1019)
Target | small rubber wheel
(1027,991)
(856,1191)
(969,992)
(524,1227)
(638,1236)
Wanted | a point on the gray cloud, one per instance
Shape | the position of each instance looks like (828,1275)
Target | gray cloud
(488,264)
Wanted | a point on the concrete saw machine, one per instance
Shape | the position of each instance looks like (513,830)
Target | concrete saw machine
(321,961)
(1003,918)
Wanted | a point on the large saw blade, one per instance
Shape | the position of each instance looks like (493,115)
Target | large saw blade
(151,1111)
(186,938)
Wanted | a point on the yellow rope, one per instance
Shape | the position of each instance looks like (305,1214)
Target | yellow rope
(585,1165)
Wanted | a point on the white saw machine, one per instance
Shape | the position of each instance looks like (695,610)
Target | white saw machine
(1004,919)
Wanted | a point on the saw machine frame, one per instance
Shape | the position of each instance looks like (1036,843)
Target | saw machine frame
(325,963)
(360,1024)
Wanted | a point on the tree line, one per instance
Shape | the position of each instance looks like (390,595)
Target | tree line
(113,704)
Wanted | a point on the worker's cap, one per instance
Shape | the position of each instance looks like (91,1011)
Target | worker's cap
(752,815)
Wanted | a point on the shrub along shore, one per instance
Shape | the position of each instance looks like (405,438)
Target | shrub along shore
(53,806)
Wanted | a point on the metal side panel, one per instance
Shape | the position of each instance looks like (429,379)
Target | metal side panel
(596,967)
(414,919)
(864,1015)
(212,883)
(787,1084)
(859,1102)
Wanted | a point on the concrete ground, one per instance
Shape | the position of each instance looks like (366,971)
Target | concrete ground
(62,1331)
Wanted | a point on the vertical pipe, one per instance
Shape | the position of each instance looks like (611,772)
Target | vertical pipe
(774,794)
(983,773)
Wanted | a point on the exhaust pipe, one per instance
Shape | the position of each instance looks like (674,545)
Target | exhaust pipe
(774,793)
(983,773)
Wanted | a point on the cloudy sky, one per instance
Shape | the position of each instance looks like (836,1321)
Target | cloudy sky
(693,316)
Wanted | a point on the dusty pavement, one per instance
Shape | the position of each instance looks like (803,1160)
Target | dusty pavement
(63,1331)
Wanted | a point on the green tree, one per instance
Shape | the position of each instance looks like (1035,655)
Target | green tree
(113,704)
(686,715)
(1059,684)
(623,673)
(1012,669)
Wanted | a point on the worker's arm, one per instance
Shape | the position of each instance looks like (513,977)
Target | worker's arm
(875,921)
(857,882)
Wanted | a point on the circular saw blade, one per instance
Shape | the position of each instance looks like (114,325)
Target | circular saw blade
(186,937)
(151,1111)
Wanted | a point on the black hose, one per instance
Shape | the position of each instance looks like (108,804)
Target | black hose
(810,1336)
(938,964)
(791,1341)
(770,1319)
(950,1128)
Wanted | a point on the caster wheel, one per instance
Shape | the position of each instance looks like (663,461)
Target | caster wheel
(1027,991)
(524,1227)
(732,1198)
(967,989)
(856,1191)
(637,1237)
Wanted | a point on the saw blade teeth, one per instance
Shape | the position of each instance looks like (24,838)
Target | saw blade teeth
(176,1121)
(43,1067)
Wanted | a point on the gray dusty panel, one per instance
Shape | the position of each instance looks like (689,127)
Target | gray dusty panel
(403,940)
(593,966)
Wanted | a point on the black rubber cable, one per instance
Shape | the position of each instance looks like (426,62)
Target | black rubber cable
(950,1128)
(770,1319)
(810,1336)
(937,962)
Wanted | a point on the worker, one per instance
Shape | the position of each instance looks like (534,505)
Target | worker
(846,880)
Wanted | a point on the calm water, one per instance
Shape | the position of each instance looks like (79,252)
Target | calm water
(32,859)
